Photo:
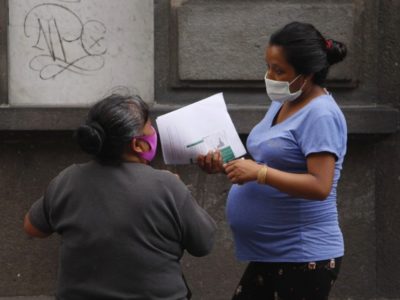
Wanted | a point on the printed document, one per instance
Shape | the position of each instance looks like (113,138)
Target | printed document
(198,128)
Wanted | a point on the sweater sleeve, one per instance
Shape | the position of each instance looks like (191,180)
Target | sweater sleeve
(39,216)
(40,211)
(198,228)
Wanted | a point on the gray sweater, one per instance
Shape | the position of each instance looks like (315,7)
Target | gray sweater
(124,229)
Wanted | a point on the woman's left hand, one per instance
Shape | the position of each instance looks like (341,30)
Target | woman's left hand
(242,170)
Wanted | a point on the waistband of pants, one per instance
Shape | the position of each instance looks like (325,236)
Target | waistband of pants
(304,266)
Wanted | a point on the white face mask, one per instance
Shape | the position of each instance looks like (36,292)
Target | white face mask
(279,90)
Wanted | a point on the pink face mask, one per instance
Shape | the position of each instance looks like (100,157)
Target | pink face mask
(152,141)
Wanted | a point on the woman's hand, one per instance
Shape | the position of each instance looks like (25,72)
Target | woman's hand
(242,170)
(212,162)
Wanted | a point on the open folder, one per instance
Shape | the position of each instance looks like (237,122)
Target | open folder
(198,128)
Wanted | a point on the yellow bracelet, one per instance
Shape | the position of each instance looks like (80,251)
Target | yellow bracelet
(262,174)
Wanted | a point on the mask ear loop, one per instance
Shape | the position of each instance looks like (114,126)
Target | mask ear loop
(295,79)
(305,81)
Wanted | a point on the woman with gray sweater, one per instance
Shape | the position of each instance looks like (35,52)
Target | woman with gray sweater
(124,225)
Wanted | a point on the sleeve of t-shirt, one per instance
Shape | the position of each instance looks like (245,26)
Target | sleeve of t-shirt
(324,134)
(40,212)
(198,228)
(39,216)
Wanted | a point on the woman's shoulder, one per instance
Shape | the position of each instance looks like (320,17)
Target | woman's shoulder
(170,183)
(170,178)
(324,106)
(323,113)
(80,170)
(162,176)
(67,171)
(63,176)
(160,173)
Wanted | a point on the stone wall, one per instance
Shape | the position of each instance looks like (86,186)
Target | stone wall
(203,47)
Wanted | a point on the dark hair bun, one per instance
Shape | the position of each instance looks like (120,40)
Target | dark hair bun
(91,137)
(336,51)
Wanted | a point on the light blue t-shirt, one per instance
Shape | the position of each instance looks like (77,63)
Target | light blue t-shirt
(271,226)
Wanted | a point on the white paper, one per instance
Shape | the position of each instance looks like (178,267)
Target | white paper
(197,128)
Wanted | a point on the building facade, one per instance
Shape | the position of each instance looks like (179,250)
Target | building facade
(202,47)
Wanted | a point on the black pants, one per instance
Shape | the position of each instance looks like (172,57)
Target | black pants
(288,281)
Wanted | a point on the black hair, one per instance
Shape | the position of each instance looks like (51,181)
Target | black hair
(307,50)
(110,126)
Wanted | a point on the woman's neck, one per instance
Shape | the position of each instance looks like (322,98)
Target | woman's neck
(289,108)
